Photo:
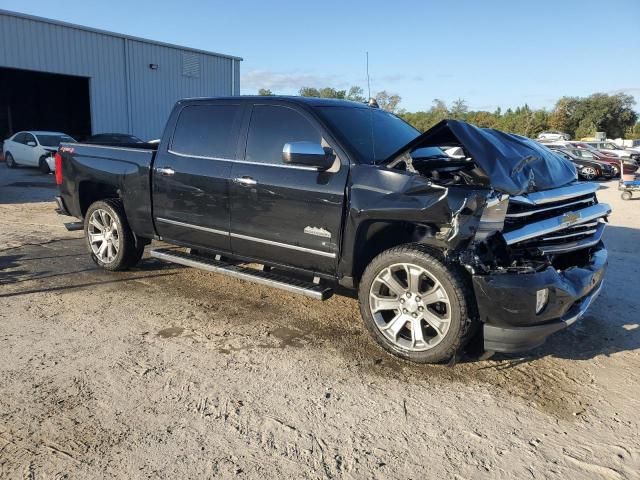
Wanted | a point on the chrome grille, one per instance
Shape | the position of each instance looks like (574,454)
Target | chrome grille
(556,221)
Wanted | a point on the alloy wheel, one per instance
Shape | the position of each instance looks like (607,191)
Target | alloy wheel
(104,236)
(589,173)
(410,307)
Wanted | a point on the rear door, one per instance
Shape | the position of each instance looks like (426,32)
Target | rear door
(286,214)
(191,175)
(18,148)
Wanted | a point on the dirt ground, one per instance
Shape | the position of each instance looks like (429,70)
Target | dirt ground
(169,372)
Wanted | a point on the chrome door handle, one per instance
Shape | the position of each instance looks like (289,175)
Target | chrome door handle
(166,171)
(246,181)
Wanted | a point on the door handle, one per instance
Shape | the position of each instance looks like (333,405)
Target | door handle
(166,171)
(245,181)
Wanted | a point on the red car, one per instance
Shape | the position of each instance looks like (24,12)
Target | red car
(585,150)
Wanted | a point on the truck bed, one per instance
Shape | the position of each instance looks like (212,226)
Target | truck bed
(89,170)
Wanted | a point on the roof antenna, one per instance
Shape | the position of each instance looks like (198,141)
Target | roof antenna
(368,81)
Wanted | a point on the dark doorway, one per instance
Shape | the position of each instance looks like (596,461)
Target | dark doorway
(43,101)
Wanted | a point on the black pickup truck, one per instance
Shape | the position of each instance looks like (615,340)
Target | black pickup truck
(447,235)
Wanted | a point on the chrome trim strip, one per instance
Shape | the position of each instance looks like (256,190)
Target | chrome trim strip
(557,194)
(283,245)
(540,210)
(233,271)
(246,237)
(576,245)
(129,149)
(554,224)
(189,225)
(244,162)
(570,235)
(584,305)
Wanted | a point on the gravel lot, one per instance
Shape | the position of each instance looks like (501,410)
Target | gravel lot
(169,372)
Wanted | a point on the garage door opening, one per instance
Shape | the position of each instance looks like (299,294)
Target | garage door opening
(43,101)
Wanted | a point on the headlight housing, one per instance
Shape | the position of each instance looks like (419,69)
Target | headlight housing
(493,216)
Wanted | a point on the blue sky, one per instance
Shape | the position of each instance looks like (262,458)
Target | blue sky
(490,53)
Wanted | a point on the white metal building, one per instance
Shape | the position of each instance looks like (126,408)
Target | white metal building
(79,80)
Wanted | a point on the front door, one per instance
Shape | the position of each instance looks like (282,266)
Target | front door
(285,214)
(191,176)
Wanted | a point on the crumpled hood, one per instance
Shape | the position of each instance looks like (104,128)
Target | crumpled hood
(513,164)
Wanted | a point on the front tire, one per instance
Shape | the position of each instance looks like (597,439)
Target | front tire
(11,163)
(416,306)
(109,238)
(589,173)
(626,196)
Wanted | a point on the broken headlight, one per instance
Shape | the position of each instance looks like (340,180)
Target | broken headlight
(493,216)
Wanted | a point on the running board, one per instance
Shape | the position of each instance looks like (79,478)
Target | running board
(263,277)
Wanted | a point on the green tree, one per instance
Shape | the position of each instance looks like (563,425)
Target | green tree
(356,94)
(265,92)
(459,109)
(388,101)
(309,92)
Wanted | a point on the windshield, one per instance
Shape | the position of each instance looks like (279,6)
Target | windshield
(610,146)
(53,140)
(370,134)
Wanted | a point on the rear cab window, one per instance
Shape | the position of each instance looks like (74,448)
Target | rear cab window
(209,131)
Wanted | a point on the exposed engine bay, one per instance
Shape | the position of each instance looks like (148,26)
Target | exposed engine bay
(535,215)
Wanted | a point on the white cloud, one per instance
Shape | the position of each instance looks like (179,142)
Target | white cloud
(288,81)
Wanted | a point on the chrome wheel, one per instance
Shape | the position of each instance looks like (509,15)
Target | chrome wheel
(104,237)
(410,307)
(589,173)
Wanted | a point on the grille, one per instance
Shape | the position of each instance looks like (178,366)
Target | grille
(556,221)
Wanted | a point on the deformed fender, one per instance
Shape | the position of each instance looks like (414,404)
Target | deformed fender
(376,193)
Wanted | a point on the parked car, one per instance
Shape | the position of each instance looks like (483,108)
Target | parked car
(33,149)
(502,243)
(613,149)
(630,166)
(113,139)
(588,169)
(553,135)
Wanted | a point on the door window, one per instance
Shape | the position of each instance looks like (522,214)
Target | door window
(29,138)
(207,131)
(273,126)
(20,138)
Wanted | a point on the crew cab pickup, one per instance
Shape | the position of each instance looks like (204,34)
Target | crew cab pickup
(499,241)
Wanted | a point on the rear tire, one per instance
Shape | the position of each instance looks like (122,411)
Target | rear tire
(416,306)
(626,196)
(11,163)
(109,238)
(43,165)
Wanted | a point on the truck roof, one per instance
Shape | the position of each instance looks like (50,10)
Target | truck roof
(312,101)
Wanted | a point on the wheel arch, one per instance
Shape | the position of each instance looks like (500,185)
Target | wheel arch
(375,236)
(90,191)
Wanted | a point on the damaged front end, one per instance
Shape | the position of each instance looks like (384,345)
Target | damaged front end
(541,271)
(531,239)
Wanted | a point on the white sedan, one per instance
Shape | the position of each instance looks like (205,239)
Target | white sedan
(33,149)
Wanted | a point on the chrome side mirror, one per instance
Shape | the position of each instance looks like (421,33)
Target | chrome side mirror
(308,154)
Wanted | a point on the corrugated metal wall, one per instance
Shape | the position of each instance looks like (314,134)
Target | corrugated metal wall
(126,95)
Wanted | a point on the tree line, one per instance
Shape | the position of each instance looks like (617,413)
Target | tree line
(577,116)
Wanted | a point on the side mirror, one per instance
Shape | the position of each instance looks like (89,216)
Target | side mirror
(31,143)
(308,154)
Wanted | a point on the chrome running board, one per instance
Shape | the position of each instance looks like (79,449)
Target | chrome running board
(263,277)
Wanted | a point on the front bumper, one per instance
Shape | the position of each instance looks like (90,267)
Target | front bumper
(507,303)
